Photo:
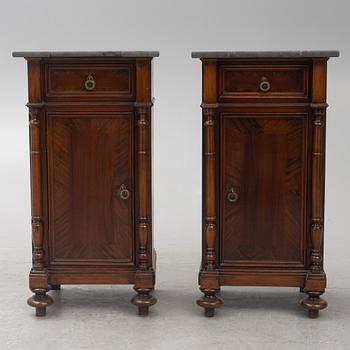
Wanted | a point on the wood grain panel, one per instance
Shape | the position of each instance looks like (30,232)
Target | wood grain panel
(90,157)
(264,159)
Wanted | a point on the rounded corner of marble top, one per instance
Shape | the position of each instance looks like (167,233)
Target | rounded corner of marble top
(72,54)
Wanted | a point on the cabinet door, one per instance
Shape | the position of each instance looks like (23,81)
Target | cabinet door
(89,179)
(263,190)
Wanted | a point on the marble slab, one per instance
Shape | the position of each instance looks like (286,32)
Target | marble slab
(132,54)
(265,54)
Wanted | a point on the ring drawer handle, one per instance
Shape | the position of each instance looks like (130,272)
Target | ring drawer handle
(90,83)
(232,196)
(124,193)
(264,84)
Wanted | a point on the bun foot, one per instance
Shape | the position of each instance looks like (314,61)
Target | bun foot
(143,300)
(40,300)
(313,303)
(209,302)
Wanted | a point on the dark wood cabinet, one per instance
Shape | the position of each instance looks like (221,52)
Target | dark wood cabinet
(264,120)
(90,148)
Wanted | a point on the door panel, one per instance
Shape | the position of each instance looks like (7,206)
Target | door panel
(90,158)
(263,187)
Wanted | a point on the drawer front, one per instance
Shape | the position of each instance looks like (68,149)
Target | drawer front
(263,82)
(86,81)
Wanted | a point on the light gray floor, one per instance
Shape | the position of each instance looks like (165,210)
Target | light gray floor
(101,317)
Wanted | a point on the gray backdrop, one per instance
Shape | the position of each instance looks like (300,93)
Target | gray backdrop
(175,28)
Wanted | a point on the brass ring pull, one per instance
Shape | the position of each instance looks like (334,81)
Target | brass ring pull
(90,83)
(232,196)
(124,193)
(264,84)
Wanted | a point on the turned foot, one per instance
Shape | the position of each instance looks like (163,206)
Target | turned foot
(313,313)
(143,310)
(313,303)
(209,302)
(40,311)
(143,300)
(55,287)
(40,300)
(209,312)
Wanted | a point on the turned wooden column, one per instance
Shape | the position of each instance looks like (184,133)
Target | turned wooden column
(38,274)
(316,279)
(209,280)
(143,127)
(209,159)
(144,279)
(317,188)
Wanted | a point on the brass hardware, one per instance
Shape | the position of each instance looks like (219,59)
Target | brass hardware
(264,84)
(90,83)
(232,196)
(124,193)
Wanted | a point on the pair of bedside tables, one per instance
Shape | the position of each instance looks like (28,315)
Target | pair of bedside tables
(90,122)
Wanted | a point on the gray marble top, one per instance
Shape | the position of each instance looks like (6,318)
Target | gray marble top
(133,54)
(264,54)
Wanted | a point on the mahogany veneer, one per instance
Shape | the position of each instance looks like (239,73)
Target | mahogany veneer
(264,117)
(90,147)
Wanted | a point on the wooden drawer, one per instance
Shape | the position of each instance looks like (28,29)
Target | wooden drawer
(89,81)
(263,82)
